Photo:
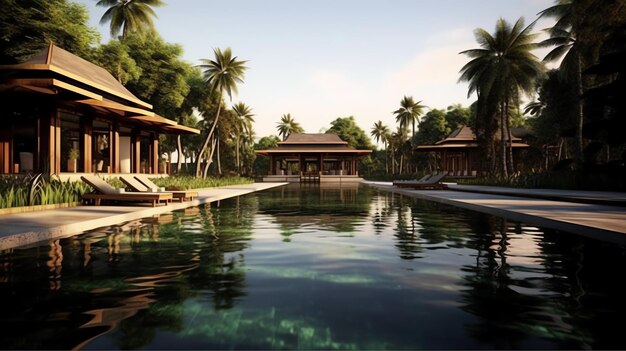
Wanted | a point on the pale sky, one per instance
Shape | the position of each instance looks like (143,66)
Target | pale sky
(323,59)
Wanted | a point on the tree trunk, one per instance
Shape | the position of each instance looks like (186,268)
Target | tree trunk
(205,172)
(510,139)
(238,166)
(386,159)
(579,111)
(209,136)
(219,159)
(168,170)
(179,149)
(502,142)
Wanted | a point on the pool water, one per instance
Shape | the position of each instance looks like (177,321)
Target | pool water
(309,267)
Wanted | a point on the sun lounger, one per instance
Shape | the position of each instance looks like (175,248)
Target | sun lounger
(106,192)
(421,180)
(143,183)
(432,182)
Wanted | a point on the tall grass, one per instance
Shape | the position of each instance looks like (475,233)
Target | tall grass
(32,190)
(189,182)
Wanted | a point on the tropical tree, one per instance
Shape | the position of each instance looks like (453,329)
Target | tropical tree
(347,129)
(129,16)
(115,56)
(577,36)
(243,127)
(381,132)
(28,26)
(501,69)
(261,165)
(288,125)
(222,75)
(409,113)
(400,147)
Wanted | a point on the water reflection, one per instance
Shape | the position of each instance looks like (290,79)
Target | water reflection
(305,267)
(131,278)
(335,207)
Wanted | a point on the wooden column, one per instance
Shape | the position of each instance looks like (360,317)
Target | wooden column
(114,148)
(86,137)
(272,165)
(321,164)
(135,151)
(300,165)
(6,152)
(154,153)
(49,144)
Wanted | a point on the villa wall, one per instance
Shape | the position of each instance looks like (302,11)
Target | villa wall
(322,178)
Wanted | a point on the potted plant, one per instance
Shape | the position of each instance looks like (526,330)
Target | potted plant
(72,158)
(162,165)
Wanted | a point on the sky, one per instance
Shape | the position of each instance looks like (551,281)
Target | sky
(323,59)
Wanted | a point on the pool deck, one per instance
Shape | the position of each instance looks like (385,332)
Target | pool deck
(27,228)
(599,215)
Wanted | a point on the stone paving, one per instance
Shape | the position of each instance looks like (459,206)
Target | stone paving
(601,221)
(26,228)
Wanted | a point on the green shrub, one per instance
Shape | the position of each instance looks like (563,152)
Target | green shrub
(190,182)
(572,180)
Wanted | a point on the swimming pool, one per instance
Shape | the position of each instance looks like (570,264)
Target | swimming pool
(310,267)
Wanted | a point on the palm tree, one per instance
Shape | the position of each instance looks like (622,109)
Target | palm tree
(129,15)
(381,132)
(563,37)
(398,141)
(575,36)
(243,126)
(222,75)
(288,125)
(498,71)
(409,112)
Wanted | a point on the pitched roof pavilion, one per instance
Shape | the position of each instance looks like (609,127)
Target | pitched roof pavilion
(54,68)
(313,143)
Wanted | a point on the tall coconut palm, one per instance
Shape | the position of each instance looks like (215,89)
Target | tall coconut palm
(501,69)
(243,127)
(129,16)
(409,113)
(222,75)
(381,132)
(288,125)
(575,37)
(563,38)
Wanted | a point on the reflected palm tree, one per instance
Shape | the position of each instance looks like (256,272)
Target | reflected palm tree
(408,241)
(513,309)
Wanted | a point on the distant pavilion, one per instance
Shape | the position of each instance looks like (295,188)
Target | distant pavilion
(313,157)
(57,101)
(458,153)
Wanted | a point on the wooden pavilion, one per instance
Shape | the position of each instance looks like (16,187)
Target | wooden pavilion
(457,153)
(57,103)
(313,157)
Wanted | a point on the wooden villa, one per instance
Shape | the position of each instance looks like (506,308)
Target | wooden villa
(315,158)
(457,153)
(57,103)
